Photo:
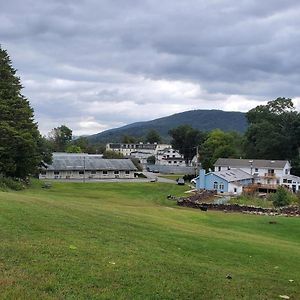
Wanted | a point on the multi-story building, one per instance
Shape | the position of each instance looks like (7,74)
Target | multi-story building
(139,150)
(232,175)
(169,157)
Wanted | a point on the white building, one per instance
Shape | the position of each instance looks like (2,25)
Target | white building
(87,166)
(268,174)
(140,151)
(169,157)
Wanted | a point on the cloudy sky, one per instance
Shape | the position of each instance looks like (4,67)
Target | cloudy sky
(98,64)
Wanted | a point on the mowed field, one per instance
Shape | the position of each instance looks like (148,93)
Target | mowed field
(127,241)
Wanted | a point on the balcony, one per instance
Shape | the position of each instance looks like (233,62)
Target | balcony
(270,175)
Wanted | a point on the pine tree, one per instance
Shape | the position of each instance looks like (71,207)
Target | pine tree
(20,140)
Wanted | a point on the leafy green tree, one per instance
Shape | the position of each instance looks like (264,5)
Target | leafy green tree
(81,142)
(274,131)
(128,139)
(112,154)
(151,160)
(153,137)
(21,145)
(185,139)
(219,144)
(73,149)
(60,137)
(282,197)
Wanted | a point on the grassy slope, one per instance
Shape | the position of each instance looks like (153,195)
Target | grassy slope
(131,243)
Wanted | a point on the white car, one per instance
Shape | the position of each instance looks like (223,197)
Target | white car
(193,181)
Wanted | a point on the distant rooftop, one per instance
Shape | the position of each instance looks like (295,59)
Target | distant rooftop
(256,163)
(233,175)
(78,161)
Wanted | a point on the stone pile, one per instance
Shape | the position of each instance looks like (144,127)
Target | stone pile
(288,211)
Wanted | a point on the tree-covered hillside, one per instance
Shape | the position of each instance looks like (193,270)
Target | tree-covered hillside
(204,120)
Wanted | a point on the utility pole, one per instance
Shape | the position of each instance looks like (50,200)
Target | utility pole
(84,168)
(197,160)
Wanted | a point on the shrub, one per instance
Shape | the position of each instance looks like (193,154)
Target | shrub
(8,183)
(188,177)
(281,198)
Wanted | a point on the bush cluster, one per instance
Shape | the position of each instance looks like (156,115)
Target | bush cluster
(282,197)
(188,177)
(8,183)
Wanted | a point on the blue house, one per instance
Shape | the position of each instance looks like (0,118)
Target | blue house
(228,181)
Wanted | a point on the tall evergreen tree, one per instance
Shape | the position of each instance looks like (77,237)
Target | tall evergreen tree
(21,145)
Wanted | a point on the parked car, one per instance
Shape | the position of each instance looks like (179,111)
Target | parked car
(180,181)
(193,181)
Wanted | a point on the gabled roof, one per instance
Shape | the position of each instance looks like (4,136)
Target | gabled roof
(256,163)
(233,175)
(67,162)
(291,177)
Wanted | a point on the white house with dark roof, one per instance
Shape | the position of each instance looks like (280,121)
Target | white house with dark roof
(232,175)
(264,171)
(87,166)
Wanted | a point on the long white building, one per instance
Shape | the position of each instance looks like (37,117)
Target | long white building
(87,166)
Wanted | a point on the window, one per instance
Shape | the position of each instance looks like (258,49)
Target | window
(170,162)
(175,162)
(104,172)
(215,185)
(228,168)
(235,190)
(284,180)
(256,170)
(219,168)
(173,155)
(116,172)
(289,181)
(270,171)
(221,186)
(127,172)
(56,173)
(181,161)
(93,172)
(81,172)
(286,171)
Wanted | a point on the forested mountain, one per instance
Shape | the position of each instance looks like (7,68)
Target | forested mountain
(204,120)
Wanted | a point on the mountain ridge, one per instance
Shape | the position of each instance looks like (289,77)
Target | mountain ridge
(204,120)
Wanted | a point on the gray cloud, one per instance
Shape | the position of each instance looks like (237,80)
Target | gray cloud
(98,64)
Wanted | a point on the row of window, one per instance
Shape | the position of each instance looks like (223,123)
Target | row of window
(82,172)
(289,181)
(175,161)
(216,185)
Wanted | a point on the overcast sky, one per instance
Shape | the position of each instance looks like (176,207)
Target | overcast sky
(98,64)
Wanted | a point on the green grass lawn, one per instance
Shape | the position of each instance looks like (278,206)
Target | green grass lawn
(171,176)
(126,241)
(248,200)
